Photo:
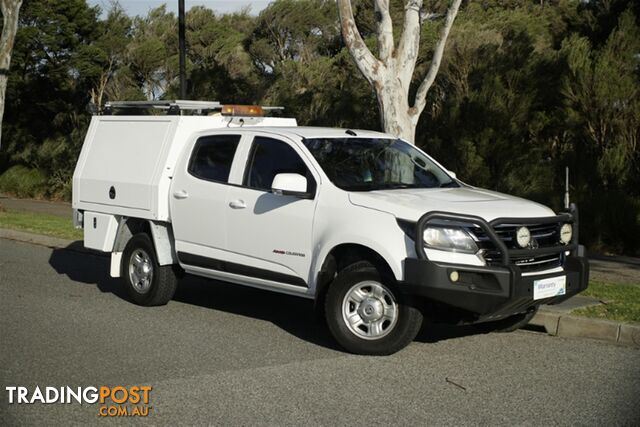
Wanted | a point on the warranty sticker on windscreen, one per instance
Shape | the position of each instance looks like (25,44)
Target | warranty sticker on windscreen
(549,287)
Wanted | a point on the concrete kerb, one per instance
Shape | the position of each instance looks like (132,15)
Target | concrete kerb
(566,325)
(554,323)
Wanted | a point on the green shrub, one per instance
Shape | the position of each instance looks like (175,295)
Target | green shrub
(64,192)
(21,181)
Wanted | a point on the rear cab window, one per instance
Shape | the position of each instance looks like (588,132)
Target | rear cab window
(212,157)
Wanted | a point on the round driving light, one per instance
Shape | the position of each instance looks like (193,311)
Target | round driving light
(566,233)
(523,237)
(454,276)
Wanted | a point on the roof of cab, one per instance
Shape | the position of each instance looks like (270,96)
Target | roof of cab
(320,132)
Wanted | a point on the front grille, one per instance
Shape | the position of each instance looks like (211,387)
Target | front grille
(527,264)
(543,235)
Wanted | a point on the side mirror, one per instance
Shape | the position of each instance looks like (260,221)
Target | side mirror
(290,184)
(452,174)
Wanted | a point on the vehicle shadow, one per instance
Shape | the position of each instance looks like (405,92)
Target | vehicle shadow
(435,332)
(292,314)
(81,265)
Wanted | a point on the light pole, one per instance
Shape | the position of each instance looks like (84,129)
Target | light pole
(182,48)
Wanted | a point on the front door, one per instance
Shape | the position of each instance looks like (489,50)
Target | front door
(272,233)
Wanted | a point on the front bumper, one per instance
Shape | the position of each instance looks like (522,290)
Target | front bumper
(488,292)
(491,292)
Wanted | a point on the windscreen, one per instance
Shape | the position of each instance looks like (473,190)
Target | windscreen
(368,164)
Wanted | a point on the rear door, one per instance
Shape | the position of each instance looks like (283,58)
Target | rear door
(198,197)
(272,234)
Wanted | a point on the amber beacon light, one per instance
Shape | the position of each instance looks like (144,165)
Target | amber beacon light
(242,110)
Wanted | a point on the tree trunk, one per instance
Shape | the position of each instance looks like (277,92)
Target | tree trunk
(396,120)
(10,10)
(395,116)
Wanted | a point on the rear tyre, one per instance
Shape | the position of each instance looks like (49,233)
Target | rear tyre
(516,321)
(367,315)
(147,283)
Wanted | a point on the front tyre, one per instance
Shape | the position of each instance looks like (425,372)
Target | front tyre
(147,283)
(367,315)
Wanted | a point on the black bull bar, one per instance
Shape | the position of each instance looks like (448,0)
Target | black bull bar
(492,291)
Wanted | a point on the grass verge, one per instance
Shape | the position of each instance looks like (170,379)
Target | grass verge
(49,225)
(621,302)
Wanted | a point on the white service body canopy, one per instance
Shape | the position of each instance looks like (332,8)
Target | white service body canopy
(134,157)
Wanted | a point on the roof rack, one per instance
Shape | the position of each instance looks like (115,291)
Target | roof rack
(174,107)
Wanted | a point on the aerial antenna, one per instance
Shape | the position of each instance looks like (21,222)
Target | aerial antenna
(566,188)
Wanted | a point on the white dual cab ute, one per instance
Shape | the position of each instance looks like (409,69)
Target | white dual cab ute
(370,227)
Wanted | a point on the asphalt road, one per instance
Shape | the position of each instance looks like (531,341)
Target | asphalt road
(223,354)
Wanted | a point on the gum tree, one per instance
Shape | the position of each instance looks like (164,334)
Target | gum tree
(391,72)
(10,10)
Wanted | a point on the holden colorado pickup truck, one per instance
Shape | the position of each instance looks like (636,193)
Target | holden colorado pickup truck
(374,230)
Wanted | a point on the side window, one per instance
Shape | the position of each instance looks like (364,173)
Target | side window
(212,157)
(269,157)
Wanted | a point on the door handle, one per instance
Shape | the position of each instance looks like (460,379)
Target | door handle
(237,204)
(181,194)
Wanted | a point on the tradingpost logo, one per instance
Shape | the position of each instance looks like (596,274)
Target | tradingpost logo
(117,401)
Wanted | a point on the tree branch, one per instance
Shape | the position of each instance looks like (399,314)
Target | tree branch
(384,30)
(365,61)
(409,42)
(423,89)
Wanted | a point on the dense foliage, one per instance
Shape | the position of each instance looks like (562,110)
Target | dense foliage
(526,88)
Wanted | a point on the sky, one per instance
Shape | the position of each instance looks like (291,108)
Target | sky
(141,7)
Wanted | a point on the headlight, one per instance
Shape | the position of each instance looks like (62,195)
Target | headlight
(449,239)
(566,233)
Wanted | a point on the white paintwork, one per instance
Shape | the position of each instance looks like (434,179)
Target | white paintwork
(233,224)
(116,261)
(100,231)
(411,204)
(272,232)
(340,222)
(198,207)
(137,156)
(292,182)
